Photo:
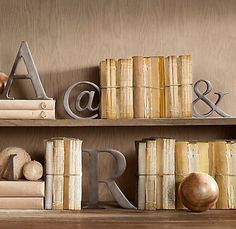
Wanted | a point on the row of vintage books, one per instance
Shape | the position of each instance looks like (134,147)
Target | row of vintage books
(146,87)
(164,163)
(63,170)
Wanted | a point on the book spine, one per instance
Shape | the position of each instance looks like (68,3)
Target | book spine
(49,171)
(27,104)
(27,114)
(138,81)
(21,203)
(155,87)
(77,192)
(150,188)
(57,194)
(141,174)
(162,86)
(103,85)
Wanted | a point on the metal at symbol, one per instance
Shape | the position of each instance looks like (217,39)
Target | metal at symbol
(78,107)
(212,105)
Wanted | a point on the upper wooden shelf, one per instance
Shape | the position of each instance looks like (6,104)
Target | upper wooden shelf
(132,122)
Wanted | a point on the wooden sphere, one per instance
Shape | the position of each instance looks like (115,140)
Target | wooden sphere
(198,192)
(3,81)
(33,170)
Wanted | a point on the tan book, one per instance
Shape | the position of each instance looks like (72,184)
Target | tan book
(141,150)
(162,86)
(78,192)
(190,157)
(22,203)
(22,188)
(165,173)
(224,157)
(227,194)
(154,77)
(125,83)
(147,87)
(30,104)
(69,191)
(27,114)
(185,77)
(172,94)
(150,188)
(103,85)
(139,90)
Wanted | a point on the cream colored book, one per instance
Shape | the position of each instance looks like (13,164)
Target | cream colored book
(17,104)
(57,192)
(165,170)
(34,203)
(27,114)
(141,150)
(150,188)
(58,157)
(69,156)
(78,192)
(69,191)
(49,174)
(147,89)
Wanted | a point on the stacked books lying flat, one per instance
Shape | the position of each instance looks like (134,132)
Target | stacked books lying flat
(146,87)
(164,163)
(63,174)
(27,109)
(22,194)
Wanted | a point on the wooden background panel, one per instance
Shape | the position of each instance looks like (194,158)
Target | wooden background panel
(120,138)
(68,39)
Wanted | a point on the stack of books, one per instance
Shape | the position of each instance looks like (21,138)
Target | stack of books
(63,174)
(27,109)
(164,163)
(146,87)
(22,194)
(156,172)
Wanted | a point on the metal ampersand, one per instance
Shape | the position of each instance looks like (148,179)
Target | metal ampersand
(202,97)
(78,106)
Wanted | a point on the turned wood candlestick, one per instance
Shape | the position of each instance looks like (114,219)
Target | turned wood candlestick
(198,192)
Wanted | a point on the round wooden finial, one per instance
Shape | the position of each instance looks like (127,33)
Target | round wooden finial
(33,170)
(198,192)
(18,161)
(3,81)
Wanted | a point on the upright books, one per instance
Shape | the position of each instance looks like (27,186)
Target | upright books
(156,168)
(146,87)
(63,174)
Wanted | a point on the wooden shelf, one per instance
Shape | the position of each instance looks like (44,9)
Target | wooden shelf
(132,122)
(122,219)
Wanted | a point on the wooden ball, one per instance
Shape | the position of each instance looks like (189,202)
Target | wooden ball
(3,81)
(18,162)
(198,192)
(33,170)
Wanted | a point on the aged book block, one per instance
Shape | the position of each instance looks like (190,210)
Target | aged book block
(103,85)
(150,192)
(57,192)
(172,96)
(27,104)
(21,203)
(227,192)
(27,114)
(141,150)
(161,60)
(22,188)
(139,89)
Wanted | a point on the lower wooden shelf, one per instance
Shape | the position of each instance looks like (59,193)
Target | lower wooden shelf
(109,218)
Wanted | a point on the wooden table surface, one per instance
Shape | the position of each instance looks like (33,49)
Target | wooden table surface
(116,219)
